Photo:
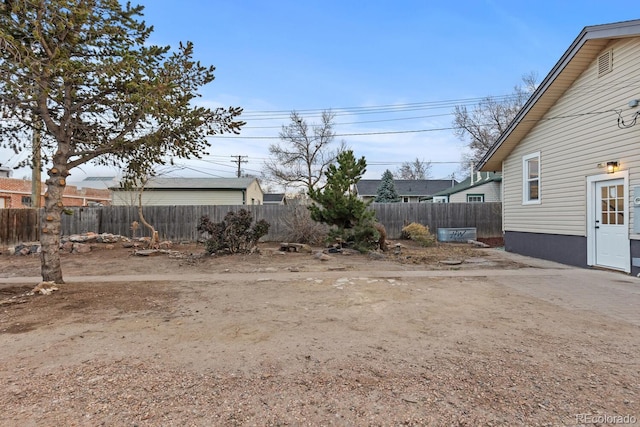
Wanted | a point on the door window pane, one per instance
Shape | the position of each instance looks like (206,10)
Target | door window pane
(612,218)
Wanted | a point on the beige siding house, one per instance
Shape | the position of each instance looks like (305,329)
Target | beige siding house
(480,187)
(571,158)
(194,191)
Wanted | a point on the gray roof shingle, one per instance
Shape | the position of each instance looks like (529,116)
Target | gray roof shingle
(406,187)
(484,178)
(198,183)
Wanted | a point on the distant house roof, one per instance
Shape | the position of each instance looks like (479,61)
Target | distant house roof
(198,183)
(273,198)
(406,187)
(479,178)
(101,182)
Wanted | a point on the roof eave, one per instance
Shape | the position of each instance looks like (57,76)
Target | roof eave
(572,63)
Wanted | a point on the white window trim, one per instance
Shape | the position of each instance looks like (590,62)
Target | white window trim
(440,199)
(525,179)
(481,196)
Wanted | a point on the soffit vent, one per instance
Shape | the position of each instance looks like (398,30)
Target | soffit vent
(605,63)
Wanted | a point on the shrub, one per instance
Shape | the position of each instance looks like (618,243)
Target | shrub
(418,233)
(300,228)
(234,234)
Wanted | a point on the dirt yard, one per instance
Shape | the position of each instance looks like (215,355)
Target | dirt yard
(278,338)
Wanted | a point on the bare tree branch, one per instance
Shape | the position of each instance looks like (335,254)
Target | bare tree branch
(304,153)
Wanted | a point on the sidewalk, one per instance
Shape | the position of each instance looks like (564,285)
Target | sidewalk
(613,294)
(610,293)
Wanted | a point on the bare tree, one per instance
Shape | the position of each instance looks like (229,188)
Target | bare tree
(481,126)
(304,153)
(416,169)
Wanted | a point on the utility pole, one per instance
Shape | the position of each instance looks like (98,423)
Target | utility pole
(239,160)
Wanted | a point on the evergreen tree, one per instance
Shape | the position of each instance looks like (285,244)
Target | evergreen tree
(85,77)
(338,205)
(386,192)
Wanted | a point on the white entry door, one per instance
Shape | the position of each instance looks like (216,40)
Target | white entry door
(611,237)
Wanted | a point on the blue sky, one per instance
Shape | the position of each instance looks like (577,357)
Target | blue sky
(421,57)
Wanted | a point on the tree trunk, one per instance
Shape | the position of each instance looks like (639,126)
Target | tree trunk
(154,243)
(50,233)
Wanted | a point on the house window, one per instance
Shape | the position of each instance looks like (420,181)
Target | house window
(440,199)
(26,200)
(475,198)
(531,178)
(405,200)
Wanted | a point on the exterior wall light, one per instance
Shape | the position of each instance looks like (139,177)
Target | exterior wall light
(612,166)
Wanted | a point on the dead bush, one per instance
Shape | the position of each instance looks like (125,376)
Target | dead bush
(300,228)
(418,233)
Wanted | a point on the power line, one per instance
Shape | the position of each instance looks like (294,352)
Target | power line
(417,130)
(375,109)
(362,122)
(340,134)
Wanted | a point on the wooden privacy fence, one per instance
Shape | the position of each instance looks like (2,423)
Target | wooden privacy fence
(486,217)
(179,223)
(18,225)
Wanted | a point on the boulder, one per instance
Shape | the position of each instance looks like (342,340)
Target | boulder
(165,244)
(322,256)
(81,248)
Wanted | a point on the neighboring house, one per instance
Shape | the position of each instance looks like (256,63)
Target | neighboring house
(478,188)
(102,182)
(571,157)
(409,190)
(193,191)
(274,199)
(16,193)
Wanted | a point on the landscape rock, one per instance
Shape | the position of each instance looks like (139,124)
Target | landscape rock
(376,255)
(165,244)
(147,252)
(322,256)
(478,244)
(348,252)
(81,248)
(451,262)
(44,288)
(108,238)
